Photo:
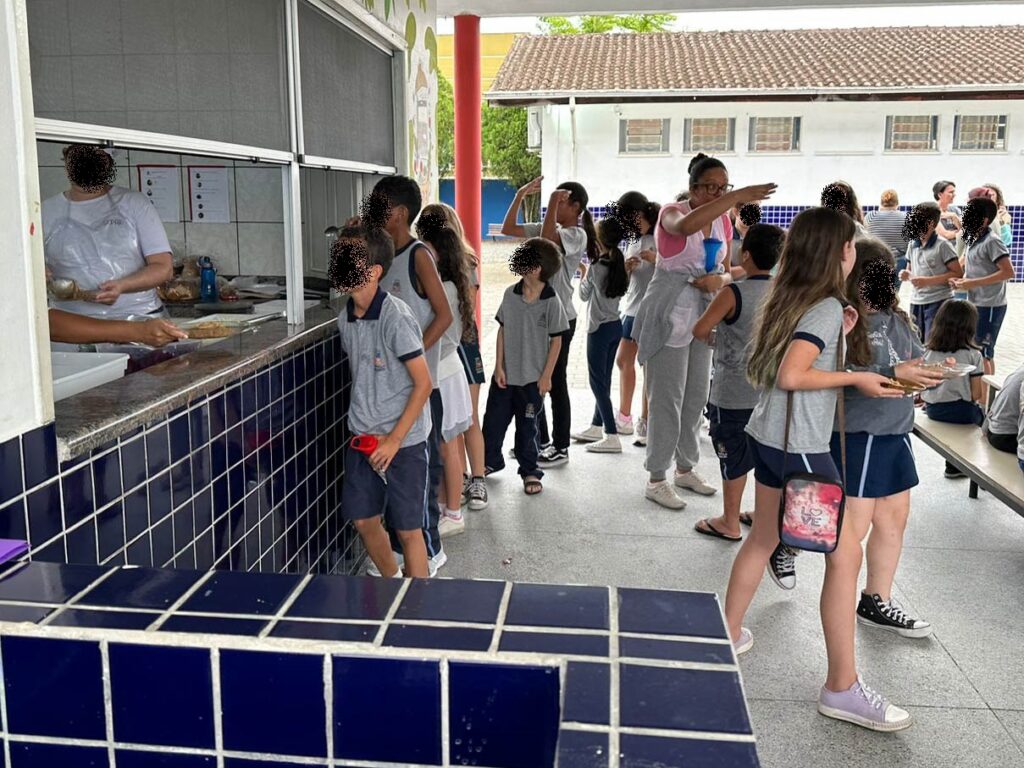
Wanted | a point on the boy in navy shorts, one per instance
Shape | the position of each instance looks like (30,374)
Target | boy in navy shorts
(730,318)
(390,386)
(532,320)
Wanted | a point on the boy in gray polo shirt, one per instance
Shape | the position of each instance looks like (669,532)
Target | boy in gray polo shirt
(931,264)
(532,320)
(390,386)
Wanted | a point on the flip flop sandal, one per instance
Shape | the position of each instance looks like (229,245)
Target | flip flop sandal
(532,487)
(746,518)
(708,530)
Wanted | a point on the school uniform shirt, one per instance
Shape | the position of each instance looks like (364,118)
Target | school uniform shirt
(574,248)
(982,258)
(641,275)
(1004,415)
(952,390)
(730,387)
(528,330)
(814,409)
(378,346)
(450,363)
(928,260)
(600,308)
(892,341)
(400,281)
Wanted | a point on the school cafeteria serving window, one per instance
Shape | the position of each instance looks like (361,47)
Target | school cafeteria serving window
(709,134)
(979,133)
(774,134)
(911,133)
(643,137)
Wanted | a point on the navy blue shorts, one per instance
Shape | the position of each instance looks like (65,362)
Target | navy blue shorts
(627,327)
(730,441)
(402,500)
(956,412)
(469,354)
(924,316)
(768,469)
(990,320)
(876,465)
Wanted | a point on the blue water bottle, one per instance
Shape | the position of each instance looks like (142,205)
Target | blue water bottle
(207,281)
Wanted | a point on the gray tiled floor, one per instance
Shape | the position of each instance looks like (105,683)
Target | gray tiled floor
(963,569)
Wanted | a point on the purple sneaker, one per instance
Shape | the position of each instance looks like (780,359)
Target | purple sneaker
(864,707)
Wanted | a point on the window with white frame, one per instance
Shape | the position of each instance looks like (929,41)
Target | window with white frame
(911,133)
(643,137)
(709,134)
(774,134)
(979,133)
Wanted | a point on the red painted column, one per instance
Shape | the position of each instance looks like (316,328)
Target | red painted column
(467,130)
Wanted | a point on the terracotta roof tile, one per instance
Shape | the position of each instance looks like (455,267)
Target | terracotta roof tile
(856,60)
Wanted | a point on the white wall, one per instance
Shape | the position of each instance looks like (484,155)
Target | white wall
(839,140)
(251,244)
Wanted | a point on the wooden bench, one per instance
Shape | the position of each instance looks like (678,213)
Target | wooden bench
(494,231)
(994,382)
(965,447)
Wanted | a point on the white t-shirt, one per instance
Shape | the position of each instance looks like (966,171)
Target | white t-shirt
(450,363)
(135,205)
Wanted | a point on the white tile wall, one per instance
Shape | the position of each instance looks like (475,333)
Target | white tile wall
(256,230)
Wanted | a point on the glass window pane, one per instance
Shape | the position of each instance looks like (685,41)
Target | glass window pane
(643,136)
(911,133)
(773,134)
(980,133)
(709,134)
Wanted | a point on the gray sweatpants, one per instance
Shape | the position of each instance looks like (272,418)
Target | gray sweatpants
(678,382)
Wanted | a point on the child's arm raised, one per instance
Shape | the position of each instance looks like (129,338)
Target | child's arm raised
(721,307)
(389,445)
(511,226)
(549,230)
(544,384)
(430,281)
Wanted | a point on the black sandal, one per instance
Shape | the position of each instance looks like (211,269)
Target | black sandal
(532,486)
(746,518)
(705,527)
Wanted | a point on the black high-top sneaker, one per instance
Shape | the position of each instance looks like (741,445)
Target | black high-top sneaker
(873,611)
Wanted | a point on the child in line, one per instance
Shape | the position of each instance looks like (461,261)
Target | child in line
(987,269)
(471,442)
(640,257)
(432,227)
(602,287)
(955,401)
(390,387)
(413,278)
(532,324)
(730,321)
(795,350)
(931,264)
(677,369)
(1003,422)
(569,225)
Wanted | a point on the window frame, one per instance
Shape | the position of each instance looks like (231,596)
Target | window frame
(666,128)
(1001,128)
(730,136)
(933,140)
(794,135)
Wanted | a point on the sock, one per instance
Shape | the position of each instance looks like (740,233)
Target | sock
(478,477)
(454,514)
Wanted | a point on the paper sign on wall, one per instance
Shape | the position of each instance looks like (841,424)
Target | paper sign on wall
(208,194)
(161,184)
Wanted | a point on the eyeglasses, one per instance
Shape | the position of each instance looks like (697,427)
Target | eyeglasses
(714,189)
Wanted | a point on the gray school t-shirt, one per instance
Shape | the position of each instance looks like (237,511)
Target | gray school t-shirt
(980,262)
(1004,415)
(928,260)
(892,341)
(378,345)
(528,330)
(641,275)
(813,410)
(729,386)
(600,309)
(400,281)
(574,247)
(952,390)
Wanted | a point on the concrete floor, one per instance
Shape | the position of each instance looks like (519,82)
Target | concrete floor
(962,569)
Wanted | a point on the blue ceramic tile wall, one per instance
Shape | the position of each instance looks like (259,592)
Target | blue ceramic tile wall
(246,478)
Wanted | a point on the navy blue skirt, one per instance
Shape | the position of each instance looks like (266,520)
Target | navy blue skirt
(876,465)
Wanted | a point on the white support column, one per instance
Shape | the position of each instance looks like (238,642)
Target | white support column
(26,399)
(295,274)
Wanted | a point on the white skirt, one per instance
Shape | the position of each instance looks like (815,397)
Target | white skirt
(457,406)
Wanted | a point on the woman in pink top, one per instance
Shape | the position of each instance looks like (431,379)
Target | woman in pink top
(690,268)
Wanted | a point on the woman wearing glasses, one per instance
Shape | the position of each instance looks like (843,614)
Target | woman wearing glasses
(693,263)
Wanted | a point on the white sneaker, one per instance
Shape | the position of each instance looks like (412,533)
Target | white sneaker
(437,562)
(623,423)
(610,444)
(451,526)
(662,493)
(641,433)
(591,434)
(373,570)
(691,481)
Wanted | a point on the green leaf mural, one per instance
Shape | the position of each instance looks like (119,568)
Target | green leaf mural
(387,9)
(410,38)
(368,4)
(430,43)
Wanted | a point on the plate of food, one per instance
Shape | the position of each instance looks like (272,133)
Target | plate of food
(950,370)
(906,387)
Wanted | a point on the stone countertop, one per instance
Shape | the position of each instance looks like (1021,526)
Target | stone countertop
(94,418)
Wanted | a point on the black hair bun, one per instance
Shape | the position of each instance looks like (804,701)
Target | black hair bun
(696,159)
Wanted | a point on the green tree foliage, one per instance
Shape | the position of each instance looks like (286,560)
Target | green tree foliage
(580,25)
(445,123)
(503,146)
